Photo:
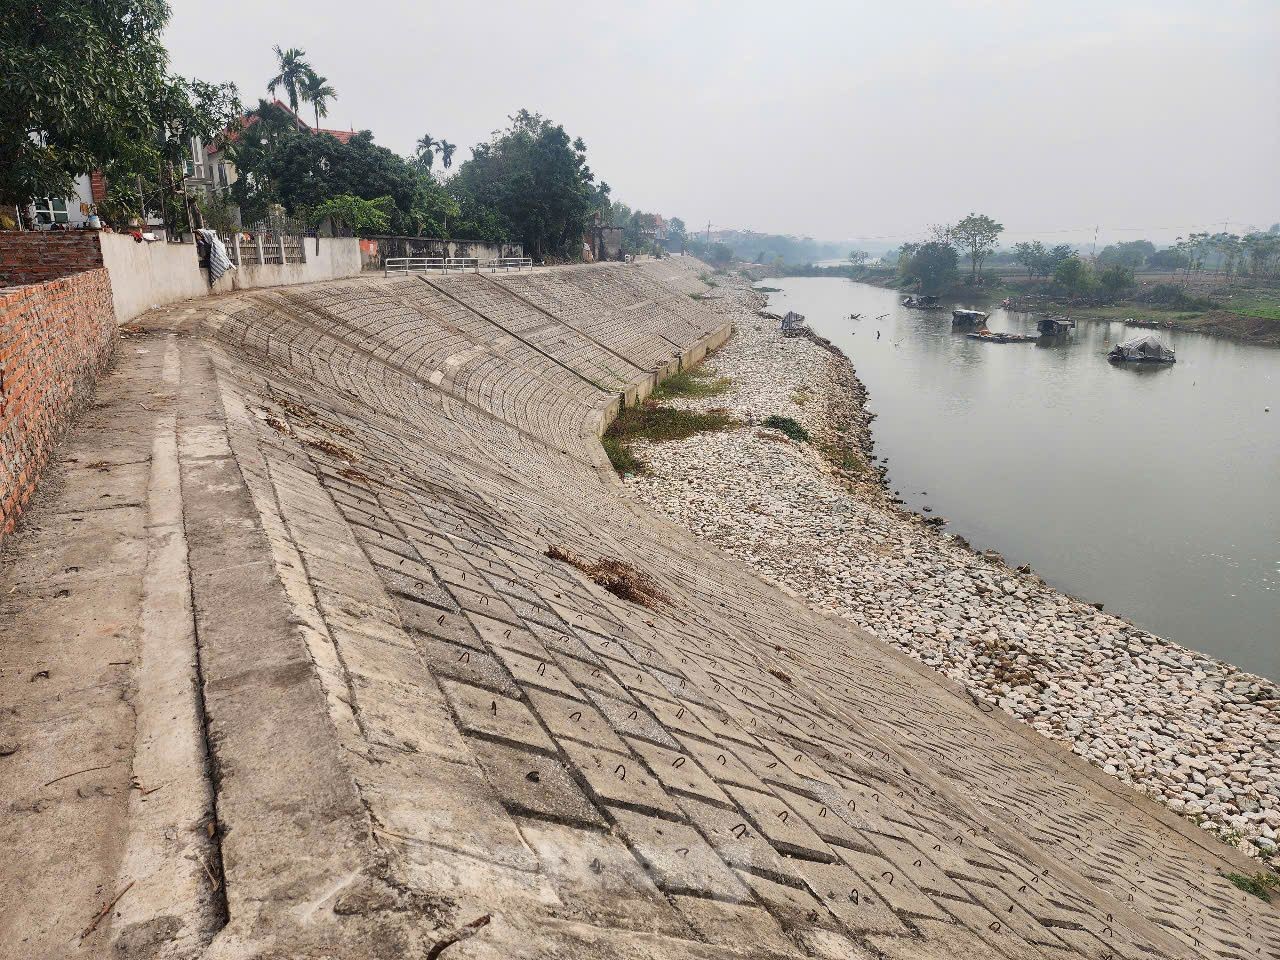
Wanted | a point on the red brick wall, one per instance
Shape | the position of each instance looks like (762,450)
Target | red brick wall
(55,338)
(34,256)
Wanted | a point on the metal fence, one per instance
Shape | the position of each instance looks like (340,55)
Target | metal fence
(455,264)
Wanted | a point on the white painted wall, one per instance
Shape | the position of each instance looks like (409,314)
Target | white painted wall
(146,275)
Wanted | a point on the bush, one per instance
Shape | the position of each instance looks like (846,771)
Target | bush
(788,426)
(692,383)
(1172,295)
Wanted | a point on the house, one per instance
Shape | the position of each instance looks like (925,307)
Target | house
(70,212)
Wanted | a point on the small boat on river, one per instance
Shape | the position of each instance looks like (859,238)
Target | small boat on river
(1142,349)
(923,302)
(973,319)
(992,337)
(1055,326)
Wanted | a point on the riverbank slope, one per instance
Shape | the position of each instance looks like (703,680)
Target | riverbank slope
(1198,735)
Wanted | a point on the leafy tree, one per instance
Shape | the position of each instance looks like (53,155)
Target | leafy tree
(84,87)
(1133,254)
(1115,279)
(1073,275)
(719,254)
(676,229)
(292,76)
(536,182)
(932,265)
(1169,258)
(858,257)
(976,235)
(317,91)
(1033,256)
(361,217)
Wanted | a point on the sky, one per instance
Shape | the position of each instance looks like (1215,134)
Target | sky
(866,122)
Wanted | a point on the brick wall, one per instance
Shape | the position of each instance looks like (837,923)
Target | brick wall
(55,338)
(35,256)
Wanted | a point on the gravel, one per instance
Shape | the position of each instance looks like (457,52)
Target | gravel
(1199,735)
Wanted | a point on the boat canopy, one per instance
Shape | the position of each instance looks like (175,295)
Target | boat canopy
(1144,347)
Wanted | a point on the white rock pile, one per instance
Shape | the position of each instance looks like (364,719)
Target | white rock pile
(1199,735)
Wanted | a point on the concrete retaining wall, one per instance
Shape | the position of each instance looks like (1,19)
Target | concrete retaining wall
(373,250)
(146,275)
(55,338)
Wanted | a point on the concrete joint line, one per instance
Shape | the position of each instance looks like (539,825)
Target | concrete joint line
(169,855)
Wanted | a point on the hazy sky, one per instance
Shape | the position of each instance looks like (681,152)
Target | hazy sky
(840,120)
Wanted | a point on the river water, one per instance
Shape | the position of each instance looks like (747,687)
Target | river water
(1155,491)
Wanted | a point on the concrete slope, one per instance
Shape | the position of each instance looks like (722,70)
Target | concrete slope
(338,700)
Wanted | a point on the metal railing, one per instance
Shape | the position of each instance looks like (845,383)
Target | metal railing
(392,265)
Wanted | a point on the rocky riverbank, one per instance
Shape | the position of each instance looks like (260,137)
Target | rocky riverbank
(1194,733)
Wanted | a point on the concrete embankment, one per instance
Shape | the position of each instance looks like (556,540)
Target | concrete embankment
(331,634)
(1190,731)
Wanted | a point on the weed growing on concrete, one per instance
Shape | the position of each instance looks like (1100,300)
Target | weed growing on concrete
(1258,884)
(788,426)
(620,455)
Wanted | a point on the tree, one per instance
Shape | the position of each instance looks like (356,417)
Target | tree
(425,151)
(317,91)
(446,153)
(1073,275)
(1132,254)
(858,257)
(932,265)
(1055,257)
(79,91)
(361,217)
(1169,258)
(1033,256)
(976,234)
(293,72)
(536,183)
(1115,279)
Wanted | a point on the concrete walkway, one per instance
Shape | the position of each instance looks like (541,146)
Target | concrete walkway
(286,670)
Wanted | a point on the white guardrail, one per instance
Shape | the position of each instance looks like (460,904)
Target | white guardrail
(392,265)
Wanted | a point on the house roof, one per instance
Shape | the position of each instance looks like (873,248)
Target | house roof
(251,118)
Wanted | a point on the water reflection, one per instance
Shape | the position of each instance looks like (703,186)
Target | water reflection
(1151,488)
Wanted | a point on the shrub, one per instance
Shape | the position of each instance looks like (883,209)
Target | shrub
(788,426)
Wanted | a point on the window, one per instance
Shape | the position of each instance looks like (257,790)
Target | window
(50,210)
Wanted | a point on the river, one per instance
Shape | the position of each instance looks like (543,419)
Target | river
(1155,491)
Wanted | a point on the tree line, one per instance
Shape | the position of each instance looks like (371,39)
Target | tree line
(87,87)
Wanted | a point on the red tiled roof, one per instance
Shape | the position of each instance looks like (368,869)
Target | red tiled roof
(251,118)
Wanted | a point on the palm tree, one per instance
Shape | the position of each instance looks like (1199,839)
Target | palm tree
(446,153)
(293,74)
(317,90)
(426,151)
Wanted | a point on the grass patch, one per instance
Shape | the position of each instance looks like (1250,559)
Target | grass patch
(655,423)
(788,426)
(1259,884)
(692,383)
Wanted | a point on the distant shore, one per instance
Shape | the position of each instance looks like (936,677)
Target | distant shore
(1197,734)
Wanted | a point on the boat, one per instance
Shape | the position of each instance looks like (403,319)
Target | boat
(1141,349)
(793,324)
(993,337)
(968,318)
(1055,326)
(924,302)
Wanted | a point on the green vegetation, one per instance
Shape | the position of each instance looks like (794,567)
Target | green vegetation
(86,86)
(655,423)
(788,426)
(696,382)
(1258,884)
(976,235)
(930,265)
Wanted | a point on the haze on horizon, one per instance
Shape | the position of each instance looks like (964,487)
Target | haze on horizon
(851,121)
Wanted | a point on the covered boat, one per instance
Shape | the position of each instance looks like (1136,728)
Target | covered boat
(974,319)
(922,302)
(1141,349)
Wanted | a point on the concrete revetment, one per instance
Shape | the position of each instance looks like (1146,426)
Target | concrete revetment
(288,670)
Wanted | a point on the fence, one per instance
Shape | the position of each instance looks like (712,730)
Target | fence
(392,265)
(266,247)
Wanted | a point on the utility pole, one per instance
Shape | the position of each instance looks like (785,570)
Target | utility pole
(708,231)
